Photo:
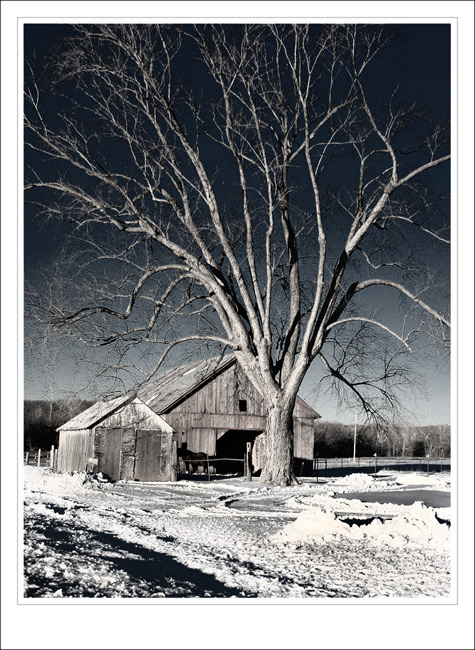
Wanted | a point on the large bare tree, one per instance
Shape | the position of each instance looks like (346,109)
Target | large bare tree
(243,186)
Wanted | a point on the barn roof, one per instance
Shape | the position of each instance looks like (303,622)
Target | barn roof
(165,392)
(95,413)
(307,408)
(173,386)
(169,389)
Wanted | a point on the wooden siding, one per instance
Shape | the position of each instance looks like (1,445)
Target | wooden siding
(222,395)
(258,451)
(184,422)
(127,448)
(75,448)
(203,440)
(303,438)
(213,409)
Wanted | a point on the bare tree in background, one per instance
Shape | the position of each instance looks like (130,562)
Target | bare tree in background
(241,186)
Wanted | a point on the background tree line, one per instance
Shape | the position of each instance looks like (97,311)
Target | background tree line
(335,440)
(332,439)
(42,417)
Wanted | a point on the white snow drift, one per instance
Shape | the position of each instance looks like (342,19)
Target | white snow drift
(87,538)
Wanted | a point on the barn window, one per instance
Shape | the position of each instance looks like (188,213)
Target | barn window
(243,405)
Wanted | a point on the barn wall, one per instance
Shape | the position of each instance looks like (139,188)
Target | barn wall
(183,422)
(136,454)
(156,456)
(74,450)
(222,395)
(202,440)
(303,438)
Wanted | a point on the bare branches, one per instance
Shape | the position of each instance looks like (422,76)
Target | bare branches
(228,184)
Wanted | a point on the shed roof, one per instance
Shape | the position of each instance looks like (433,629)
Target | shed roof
(95,413)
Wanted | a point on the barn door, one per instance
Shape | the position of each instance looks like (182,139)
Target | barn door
(110,442)
(152,455)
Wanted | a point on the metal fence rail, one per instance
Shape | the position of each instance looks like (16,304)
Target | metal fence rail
(377,463)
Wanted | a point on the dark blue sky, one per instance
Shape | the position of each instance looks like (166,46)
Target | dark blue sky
(423,53)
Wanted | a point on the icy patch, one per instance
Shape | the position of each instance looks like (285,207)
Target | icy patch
(435,481)
(193,511)
(417,525)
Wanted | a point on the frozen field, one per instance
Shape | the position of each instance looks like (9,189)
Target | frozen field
(85,538)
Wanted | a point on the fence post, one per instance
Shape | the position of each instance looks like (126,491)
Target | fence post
(55,460)
(51,457)
(248,461)
(39,457)
(26,458)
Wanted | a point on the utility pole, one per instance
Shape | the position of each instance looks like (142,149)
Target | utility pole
(354,443)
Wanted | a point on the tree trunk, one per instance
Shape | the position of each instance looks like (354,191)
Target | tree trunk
(279,455)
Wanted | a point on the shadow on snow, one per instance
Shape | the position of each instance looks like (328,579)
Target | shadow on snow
(148,572)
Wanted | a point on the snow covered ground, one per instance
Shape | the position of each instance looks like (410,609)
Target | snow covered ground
(87,538)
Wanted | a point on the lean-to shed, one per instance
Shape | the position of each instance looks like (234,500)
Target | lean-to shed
(207,407)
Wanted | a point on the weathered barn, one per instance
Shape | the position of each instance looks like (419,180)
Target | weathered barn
(206,406)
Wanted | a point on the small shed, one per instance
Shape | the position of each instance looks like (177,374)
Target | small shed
(122,438)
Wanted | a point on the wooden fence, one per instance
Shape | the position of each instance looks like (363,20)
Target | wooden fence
(42,457)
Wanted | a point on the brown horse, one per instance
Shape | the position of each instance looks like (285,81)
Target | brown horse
(193,458)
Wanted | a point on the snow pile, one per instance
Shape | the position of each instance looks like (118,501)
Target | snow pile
(359,483)
(46,480)
(416,525)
